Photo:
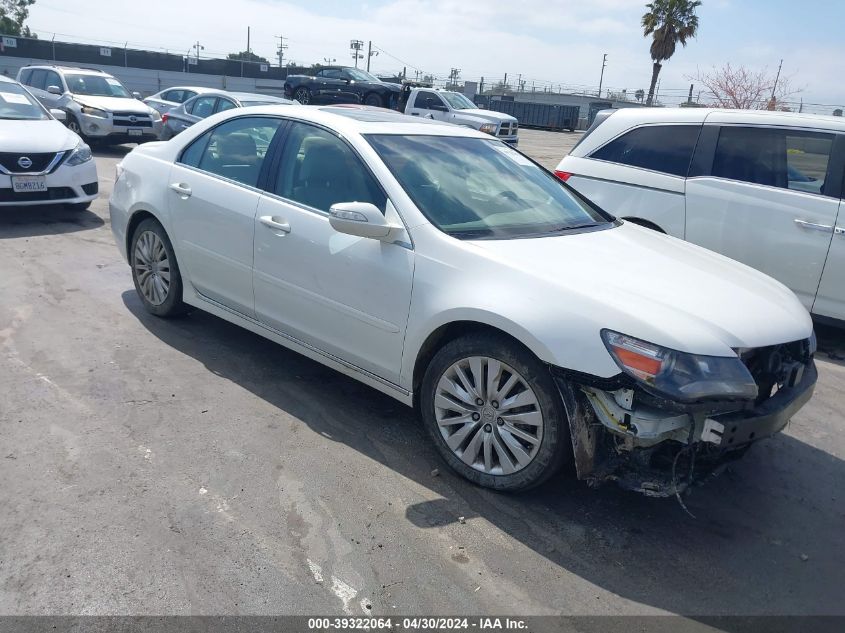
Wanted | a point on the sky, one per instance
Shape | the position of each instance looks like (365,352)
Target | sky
(547,42)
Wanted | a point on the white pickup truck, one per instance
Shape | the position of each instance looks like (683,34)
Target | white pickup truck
(453,107)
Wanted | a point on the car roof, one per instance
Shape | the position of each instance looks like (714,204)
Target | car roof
(196,88)
(253,96)
(624,119)
(8,80)
(348,120)
(73,69)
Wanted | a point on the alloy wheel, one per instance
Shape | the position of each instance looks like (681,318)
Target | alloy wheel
(302,96)
(488,415)
(152,267)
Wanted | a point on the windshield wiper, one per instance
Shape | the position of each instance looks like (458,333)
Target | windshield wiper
(575,227)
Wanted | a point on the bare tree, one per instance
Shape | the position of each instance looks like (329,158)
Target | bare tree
(745,89)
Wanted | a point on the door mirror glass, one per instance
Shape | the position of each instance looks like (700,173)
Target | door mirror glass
(362,219)
(54,90)
(59,115)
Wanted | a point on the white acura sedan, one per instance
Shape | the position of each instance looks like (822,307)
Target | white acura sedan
(444,268)
(41,161)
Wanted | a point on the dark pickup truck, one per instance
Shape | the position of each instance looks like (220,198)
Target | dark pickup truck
(340,84)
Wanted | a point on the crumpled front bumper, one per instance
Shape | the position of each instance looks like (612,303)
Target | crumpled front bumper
(659,448)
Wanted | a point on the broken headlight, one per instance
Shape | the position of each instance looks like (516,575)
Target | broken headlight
(678,375)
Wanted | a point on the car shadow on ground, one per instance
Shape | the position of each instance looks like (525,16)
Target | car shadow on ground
(54,219)
(766,538)
(113,151)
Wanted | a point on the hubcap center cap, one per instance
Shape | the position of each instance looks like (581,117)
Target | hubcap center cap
(488,415)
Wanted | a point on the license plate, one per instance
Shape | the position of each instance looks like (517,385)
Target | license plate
(28,184)
(136,132)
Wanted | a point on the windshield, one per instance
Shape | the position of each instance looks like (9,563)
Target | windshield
(361,75)
(458,101)
(474,188)
(96,86)
(16,104)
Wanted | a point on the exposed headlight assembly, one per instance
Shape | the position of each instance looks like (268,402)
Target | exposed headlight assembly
(489,128)
(79,155)
(95,112)
(155,114)
(677,375)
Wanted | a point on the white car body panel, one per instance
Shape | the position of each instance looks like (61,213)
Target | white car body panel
(765,227)
(351,299)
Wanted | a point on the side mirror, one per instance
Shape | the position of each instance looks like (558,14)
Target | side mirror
(136,94)
(362,219)
(59,115)
(54,90)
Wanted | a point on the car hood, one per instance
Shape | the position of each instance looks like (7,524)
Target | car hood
(113,104)
(36,136)
(486,115)
(656,288)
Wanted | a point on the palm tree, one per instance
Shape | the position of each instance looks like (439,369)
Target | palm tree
(668,22)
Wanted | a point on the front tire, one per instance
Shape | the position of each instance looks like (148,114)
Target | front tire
(373,99)
(155,270)
(494,413)
(303,95)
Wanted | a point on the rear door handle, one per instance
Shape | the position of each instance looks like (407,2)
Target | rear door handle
(182,189)
(275,223)
(839,230)
(812,226)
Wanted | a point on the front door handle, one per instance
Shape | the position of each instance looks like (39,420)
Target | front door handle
(182,189)
(839,230)
(275,223)
(812,226)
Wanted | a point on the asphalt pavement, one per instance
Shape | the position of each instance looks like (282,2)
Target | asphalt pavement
(187,466)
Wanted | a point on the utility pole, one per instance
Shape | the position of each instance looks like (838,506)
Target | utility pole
(689,99)
(198,47)
(355,46)
(601,78)
(370,54)
(454,74)
(247,41)
(777,77)
(505,84)
(519,84)
(281,51)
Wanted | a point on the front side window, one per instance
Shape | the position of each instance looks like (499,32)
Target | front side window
(203,107)
(458,101)
(96,86)
(663,148)
(173,95)
(16,104)
(425,100)
(52,79)
(36,80)
(318,169)
(224,104)
(233,150)
(360,75)
(330,73)
(789,159)
(474,188)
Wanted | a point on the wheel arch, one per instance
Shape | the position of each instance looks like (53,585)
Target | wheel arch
(138,216)
(453,329)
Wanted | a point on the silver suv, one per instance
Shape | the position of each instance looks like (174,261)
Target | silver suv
(98,106)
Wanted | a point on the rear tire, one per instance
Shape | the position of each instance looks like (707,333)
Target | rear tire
(155,270)
(303,95)
(494,413)
(373,99)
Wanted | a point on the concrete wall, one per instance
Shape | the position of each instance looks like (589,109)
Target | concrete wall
(148,82)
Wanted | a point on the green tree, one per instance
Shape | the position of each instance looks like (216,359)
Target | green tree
(668,22)
(247,56)
(13,13)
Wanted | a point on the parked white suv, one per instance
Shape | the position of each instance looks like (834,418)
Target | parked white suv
(764,188)
(98,106)
(41,161)
(443,267)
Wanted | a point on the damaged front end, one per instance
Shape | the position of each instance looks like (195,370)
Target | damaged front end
(629,430)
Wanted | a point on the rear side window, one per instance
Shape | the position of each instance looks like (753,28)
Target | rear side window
(224,104)
(789,159)
(203,107)
(36,80)
(664,148)
(233,150)
(25,75)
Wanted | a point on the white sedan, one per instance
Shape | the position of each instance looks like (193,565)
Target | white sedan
(41,161)
(444,268)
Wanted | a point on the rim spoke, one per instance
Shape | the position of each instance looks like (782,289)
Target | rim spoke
(529,418)
(515,447)
(470,453)
(506,388)
(505,460)
(442,402)
(488,452)
(477,370)
(466,383)
(458,419)
(494,376)
(522,399)
(526,437)
(458,438)
(451,387)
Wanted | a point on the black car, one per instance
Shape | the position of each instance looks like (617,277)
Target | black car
(339,84)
